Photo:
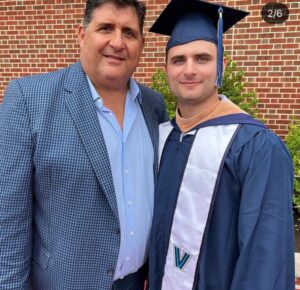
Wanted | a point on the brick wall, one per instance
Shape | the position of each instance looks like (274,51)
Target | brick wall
(270,55)
(37,36)
(40,35)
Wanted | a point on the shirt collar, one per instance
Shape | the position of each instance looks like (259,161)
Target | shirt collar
(134,91)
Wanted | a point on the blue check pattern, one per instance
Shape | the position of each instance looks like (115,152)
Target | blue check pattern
(59,224)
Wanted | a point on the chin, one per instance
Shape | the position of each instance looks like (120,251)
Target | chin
(191,97)
(116,78)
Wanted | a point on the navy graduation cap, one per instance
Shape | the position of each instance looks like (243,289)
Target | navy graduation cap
(190,20)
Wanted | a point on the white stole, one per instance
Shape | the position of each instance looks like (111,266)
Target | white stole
(194,202)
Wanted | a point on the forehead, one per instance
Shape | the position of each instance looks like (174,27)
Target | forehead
(110,13)
(193,48)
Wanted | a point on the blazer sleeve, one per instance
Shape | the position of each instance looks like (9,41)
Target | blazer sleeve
(16,175)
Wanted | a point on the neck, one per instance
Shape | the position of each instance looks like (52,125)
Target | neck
(190,109)
(114,99)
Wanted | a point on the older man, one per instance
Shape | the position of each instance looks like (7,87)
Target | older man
(78,158)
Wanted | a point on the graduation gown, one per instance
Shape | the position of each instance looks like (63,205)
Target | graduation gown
(248,238)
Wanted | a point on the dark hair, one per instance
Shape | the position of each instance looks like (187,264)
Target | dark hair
(91,5)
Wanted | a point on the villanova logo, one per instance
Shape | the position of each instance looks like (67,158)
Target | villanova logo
(181,258)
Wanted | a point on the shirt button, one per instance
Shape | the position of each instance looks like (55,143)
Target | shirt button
(110,114)
(131,233)
(129,202)
(126,171)
(127,258)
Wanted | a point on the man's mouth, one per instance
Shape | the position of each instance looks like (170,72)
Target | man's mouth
(190,83)
(114,57)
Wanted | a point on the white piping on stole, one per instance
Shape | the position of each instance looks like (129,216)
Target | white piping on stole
(164,131)
(194,201)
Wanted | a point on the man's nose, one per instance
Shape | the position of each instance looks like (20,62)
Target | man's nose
(117,40)
(189,68)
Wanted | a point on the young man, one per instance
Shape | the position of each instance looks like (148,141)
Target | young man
(223,202)
(78,158)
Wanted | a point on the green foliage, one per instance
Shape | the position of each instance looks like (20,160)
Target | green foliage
(293,142)
(233,87)
(160,84)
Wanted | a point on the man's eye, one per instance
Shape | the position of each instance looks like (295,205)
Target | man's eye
(202,59)
(177,61)
(129,33)
(105,28)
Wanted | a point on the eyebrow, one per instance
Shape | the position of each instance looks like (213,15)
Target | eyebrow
(203,54)
(103,23)
(135,31)
(183,56)
(178,56)
(98,25)
(129,28)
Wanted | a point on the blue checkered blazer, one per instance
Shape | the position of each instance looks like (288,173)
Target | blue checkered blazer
(59,225)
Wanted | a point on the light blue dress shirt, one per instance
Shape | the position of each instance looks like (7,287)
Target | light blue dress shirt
(131,158)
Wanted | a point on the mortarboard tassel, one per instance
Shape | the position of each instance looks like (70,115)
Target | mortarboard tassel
(219,79)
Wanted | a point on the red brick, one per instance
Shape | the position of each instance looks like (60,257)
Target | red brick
(39,36)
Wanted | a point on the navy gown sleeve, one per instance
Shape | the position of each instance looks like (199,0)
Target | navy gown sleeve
(265,220)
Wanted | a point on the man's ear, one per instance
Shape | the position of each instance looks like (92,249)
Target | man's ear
(81,34)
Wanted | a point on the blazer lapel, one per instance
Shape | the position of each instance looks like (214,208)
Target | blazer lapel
(152,125)
(82,109)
